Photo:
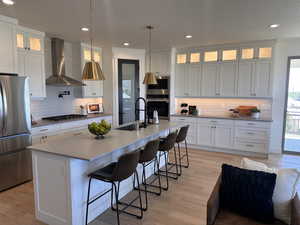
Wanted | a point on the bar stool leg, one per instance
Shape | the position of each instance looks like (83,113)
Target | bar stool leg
(176,163)
(180,163)
(159,181)
(140,197)
(145,184)
(117,201)
(166,167)
(187,155)
(87,202)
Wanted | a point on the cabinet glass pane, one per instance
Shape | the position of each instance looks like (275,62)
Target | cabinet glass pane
(195,57)
(229,55)
(211,56)
(97,57)
(247,53)
(35,44)
(181,58)
(265,53)
(20,41)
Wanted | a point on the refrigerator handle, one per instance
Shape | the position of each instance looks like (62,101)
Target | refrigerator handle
(4,102)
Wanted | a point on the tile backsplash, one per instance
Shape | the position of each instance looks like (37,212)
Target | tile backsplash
(52,105)
(213,106)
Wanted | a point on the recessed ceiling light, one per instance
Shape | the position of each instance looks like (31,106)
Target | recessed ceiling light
(188,36)
(274,25)
(85,29)
(8,2)
(126,44)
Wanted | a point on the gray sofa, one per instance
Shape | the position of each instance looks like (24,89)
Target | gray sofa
(218,216)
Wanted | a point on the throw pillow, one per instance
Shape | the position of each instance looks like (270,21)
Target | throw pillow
(248,193)
(285,188)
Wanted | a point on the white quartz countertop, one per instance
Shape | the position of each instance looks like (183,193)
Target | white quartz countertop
(83,145)
(226,117)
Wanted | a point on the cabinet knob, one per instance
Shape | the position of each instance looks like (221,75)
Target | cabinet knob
(250,146)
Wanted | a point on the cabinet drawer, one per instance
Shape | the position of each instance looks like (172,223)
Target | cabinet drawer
(253,124)
(39,131)
(216,122)
(251,146)
(259,134)
(183,119)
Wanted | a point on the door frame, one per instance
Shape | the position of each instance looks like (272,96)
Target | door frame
(136,62)
(290,58)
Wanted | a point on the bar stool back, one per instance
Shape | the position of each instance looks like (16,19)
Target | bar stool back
(165,145)
(117,172)
(181,137)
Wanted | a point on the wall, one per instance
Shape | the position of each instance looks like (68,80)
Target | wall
(220,107)
(126,53)
(283,49)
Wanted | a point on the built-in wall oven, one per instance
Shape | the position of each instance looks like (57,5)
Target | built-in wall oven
(158,97)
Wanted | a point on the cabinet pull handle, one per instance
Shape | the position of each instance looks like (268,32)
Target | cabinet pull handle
(251,123)
(213,121)
(250,133)
(43,130)
(250,146)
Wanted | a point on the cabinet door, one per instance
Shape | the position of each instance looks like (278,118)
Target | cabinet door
(223,136)
(205,135)
(262,78)
(180,78)
(21,62)
(35,43)
(193,80)
(227,78)
(8,50)
(34,69)
(93,88)
(209,78)
(244,78)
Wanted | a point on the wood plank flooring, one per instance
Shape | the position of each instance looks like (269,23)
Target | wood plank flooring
(183,204)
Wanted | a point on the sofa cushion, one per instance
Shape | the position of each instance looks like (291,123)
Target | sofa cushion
(248,193)
(226,217)
(285,187)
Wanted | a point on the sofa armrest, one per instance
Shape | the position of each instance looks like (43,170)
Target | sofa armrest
(213,203)
(296,210)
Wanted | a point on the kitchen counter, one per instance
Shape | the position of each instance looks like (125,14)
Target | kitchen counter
(226,117)
(41,123)
(60,169)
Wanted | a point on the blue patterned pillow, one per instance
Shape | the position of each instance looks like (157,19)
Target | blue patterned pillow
(248,193)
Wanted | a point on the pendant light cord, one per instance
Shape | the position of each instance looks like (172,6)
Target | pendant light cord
(91,28)
(150,40)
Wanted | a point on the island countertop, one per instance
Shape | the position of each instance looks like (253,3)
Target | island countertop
(83,145)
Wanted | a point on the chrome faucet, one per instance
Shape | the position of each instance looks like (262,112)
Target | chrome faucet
(138,110)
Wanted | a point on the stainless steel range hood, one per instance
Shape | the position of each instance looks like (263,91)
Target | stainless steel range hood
(59,77)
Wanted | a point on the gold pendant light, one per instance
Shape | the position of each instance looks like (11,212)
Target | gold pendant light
(92,69)
(150,78)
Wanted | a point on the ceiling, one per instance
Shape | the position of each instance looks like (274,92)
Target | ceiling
(117,21)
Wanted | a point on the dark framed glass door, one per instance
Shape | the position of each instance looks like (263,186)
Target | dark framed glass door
(129,91)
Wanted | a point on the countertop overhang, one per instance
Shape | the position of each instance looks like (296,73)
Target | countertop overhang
(83,145)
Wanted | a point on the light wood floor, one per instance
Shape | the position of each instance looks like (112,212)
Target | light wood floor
(181,205)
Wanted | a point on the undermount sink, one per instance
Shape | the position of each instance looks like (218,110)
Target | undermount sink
(130,127)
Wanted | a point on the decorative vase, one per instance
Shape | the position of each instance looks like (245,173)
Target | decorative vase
(255,115)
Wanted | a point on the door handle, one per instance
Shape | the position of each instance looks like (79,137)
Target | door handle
(4,100)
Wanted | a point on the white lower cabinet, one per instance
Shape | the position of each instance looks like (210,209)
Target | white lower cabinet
(234,135)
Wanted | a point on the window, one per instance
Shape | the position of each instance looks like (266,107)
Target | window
(229,55)
(247,53)
(195,57)
(181,58)
(20,41)
(211,56)
(265,53)
(35,44)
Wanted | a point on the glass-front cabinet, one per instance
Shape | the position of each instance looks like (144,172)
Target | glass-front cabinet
(229,71)
(29,41)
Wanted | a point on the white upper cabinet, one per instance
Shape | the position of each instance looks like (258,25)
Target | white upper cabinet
(31,60)
(8,50)
(209,77)
(93,88)
(228,72)
(161,62)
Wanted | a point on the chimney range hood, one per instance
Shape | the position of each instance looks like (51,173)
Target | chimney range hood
(59,77)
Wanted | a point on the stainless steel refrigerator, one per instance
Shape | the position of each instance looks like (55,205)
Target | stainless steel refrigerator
(15,126)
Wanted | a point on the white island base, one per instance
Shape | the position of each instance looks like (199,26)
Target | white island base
(61,181)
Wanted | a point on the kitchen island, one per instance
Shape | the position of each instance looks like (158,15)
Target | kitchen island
(60,169)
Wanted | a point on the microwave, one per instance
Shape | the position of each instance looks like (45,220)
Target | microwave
(95,108)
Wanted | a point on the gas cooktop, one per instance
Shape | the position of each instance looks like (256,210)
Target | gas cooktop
(64,117)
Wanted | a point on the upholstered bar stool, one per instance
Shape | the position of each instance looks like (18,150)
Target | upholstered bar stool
(115,173)
(165,145)
(148,154)
(181,137)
